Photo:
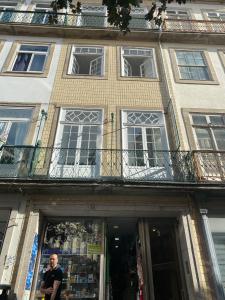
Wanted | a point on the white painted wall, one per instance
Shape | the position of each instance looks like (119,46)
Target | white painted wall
(27,89)
(17,204)
(196,96)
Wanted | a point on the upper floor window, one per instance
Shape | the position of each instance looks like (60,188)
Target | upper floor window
(177,14)
(4,218)
(40,15)
(192,65)
(216,16)
(86,60)
(14,125)
(92,16)
(144,138)
(30,58)
(138,62)
(138,18)
(6,11)
(209,131)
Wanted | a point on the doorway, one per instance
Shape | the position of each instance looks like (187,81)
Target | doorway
(164,257)
(122,240)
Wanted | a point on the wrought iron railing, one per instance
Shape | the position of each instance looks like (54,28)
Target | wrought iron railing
(91,20)
(194,26)
(83,19)
(95,164)
(209,165)
(30,162)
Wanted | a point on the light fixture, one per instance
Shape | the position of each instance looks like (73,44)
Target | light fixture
(116,246)
(115,226)
(117,238)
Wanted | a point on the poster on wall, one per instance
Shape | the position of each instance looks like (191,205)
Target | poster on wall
(32,263)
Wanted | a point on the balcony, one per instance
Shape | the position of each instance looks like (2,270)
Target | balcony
(36,163)
(98,20)
(95,164)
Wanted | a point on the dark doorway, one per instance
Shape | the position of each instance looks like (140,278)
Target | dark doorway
(165,268)
(122,240)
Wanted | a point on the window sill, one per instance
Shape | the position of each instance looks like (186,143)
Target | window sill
(89,77)
(201,82)
(24,74)
(136,78)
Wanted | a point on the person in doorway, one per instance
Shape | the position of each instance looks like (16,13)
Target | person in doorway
(52,280)
(4,295)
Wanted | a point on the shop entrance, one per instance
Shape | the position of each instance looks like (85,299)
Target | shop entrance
(164,259)
(122,243)
(138,256)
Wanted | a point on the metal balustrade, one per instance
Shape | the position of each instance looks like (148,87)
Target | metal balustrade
(90,20)
(209,165)
(95,164)
(206,26)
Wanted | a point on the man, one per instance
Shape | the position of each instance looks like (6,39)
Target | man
(52,280)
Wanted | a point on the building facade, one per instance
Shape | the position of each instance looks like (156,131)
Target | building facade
(112,152)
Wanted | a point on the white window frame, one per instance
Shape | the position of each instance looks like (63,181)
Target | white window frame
(76,170)
(177,14)
(151,57)
(206,66)
(72,59)
(92,10)
(33,52)
(145,172)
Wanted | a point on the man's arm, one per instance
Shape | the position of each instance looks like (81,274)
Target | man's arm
(56,285)
(43,290)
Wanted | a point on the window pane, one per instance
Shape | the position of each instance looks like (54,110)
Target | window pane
(34,48)
(204,139)
(22,62)
(15,113)
(199,120)
(17,133)
(216,120)
(219,244)
(38,63)
(220,138)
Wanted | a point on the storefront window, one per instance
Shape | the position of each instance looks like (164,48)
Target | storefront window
(4,218)
(78,244)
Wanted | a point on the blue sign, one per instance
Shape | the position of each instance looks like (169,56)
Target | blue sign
(32,263)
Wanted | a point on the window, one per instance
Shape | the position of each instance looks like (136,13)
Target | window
(209,131)
(14,125)
(78,138)
(138,18)
(144,142)
(138,62)
(219,246)
(216,16)
(4,219)
(6,11)
(177,14)
(92,16)
(30,58)
(192,65)
(87,61)
(40,15)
